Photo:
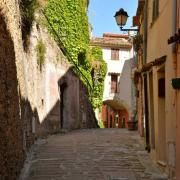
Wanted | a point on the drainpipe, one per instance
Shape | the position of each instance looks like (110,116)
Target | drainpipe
(174,21)
(145,32)
(174,26)
(146,112)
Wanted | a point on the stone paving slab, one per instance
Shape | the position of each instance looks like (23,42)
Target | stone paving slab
(95,154)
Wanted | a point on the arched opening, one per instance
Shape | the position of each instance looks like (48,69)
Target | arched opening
(11,142)
(114,114)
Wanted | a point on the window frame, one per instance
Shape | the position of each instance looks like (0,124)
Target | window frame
(114,86)
(115,54)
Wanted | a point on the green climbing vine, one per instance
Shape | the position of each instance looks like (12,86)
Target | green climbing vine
(27,9)
(68,24)
(69,19)
(100,70)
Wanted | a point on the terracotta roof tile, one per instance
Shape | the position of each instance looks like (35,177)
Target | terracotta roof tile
(111,40)
(110,35)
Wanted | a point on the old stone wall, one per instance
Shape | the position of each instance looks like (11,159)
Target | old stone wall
(42,82)
(76,109)
(11,151)
(12,88)
(11,13)
(45,90)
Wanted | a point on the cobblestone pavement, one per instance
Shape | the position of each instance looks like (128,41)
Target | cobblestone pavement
(96,154)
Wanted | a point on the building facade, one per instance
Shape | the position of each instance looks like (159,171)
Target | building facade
(117,106)
(156,67)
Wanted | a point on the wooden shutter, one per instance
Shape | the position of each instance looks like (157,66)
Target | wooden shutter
(113,83)
(161,87)
(114,54)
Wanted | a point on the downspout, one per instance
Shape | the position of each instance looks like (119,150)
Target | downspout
(146,111)
(145,32)
(174,51)
(174,21)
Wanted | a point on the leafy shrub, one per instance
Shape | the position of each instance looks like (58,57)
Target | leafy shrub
(41,50)
(27,9)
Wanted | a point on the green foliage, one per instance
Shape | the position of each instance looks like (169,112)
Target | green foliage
(41,50)
(97,53)
(101,125)
(67,20)
(100,70)
(27,9)
(137,42)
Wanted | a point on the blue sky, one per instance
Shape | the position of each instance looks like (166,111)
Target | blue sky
(101,15)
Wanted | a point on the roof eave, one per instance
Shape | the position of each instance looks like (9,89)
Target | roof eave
(127,46)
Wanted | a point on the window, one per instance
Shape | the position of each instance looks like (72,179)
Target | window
(155,12)
(114,54)
(161,87)
(114,79)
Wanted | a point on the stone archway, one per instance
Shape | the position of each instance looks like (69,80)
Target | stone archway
(11,143)
(115,114)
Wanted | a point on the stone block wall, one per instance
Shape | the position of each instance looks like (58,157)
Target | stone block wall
(44,92)
(11,143)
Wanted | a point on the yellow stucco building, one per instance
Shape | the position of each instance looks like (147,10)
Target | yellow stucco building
(156,67)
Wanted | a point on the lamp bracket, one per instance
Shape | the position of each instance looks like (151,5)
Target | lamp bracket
(121,28)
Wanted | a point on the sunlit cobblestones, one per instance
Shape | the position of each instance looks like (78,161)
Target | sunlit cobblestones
(97,154)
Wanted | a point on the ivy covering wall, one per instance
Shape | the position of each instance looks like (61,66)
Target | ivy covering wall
(69,20)
(100,69)
(68,23)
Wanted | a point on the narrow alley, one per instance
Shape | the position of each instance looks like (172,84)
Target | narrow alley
(94,154)
(89,90)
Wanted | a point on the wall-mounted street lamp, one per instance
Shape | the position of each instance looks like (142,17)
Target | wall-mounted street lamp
(121,19)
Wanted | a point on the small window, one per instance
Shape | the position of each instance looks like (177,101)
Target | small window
(161,87)
(114,79)
(155,12)
(114,54)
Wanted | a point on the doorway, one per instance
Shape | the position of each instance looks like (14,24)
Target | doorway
(62,103)
(111,121)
